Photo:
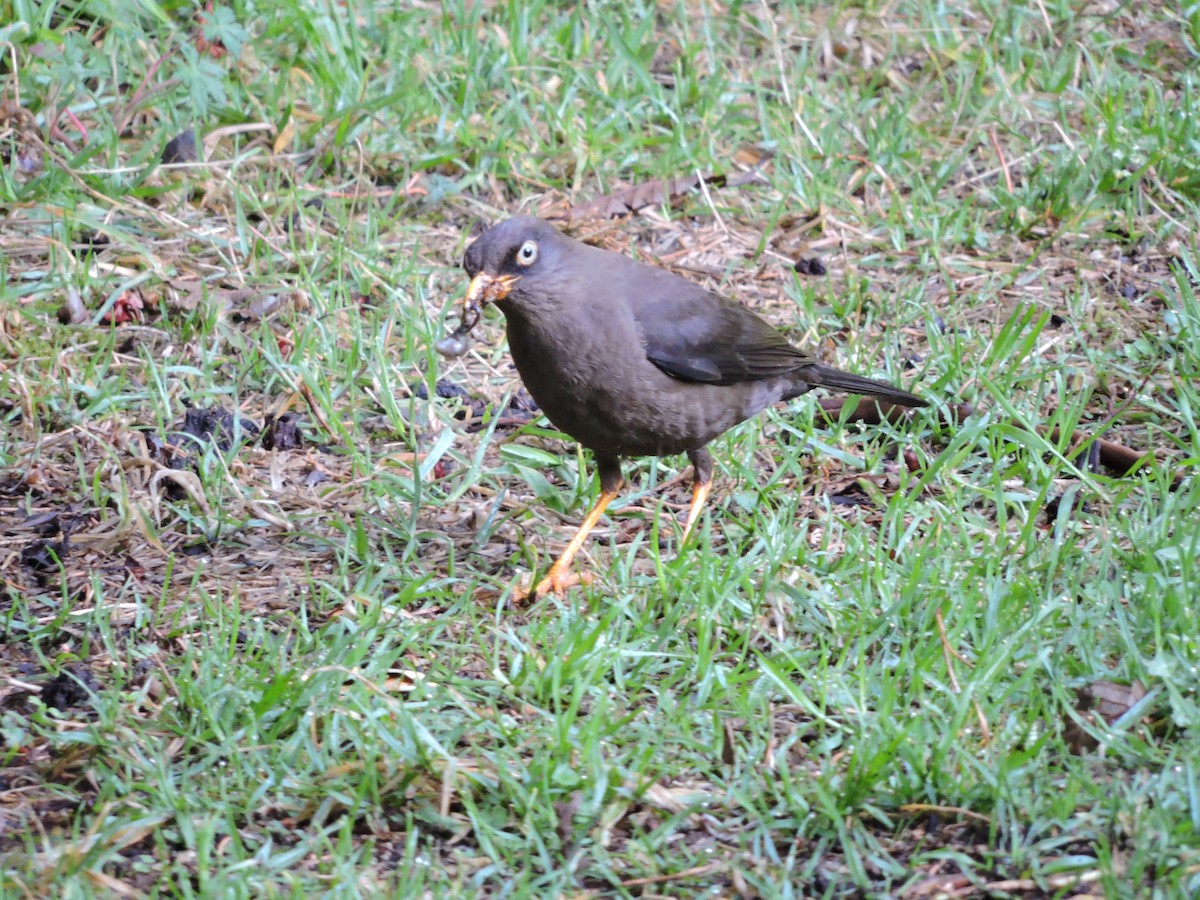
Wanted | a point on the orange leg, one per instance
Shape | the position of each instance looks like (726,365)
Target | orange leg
(702,466)
(560,577)
(699,494)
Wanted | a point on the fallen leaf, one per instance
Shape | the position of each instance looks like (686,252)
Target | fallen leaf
(675,799)
(217,426)
(44,556)
(1109,699)
(657,192)
(70,687)
(283,433)
(565,811)
(1104,700)
(20,138)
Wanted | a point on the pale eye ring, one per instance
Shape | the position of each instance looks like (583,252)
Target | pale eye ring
(528,254)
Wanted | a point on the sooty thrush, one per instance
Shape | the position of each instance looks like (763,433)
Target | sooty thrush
(632,360)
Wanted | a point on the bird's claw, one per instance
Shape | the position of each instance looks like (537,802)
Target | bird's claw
(557,581)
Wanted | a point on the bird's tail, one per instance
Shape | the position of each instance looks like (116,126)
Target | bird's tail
(827,376)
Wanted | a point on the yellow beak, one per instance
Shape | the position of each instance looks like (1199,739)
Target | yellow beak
(490,288)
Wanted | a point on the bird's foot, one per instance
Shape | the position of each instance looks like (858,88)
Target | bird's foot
(557,581)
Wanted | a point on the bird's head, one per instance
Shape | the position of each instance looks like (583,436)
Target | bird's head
(517,265)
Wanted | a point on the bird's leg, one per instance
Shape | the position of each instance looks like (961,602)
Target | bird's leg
(560,577)
(702,470)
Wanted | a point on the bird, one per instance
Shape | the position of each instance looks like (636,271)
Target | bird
(633,360)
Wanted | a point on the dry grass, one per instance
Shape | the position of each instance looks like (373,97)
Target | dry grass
(863,677)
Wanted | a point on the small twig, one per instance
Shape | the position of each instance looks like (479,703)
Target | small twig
(478,423)
(1055,881)
(878,169)
(674,876)
(769,750)
(16,82)
(137,97)
(314,407)
(1008,182)
(945,810)
(783,82)
(1113,456)
(712,207)
(447,791)
(1049,24)
(950,653)
(58,134)
(988,173)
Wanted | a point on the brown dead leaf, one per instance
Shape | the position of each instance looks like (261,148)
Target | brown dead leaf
(20,139)
(287,134)
(261,306)
(1111,700)
(184,295)
(673,799)
(937,886)
(565,811)
(627,200)
(657,192)
(662,67)
(44,556)
(1101,701)
(242,304)
(188,481)
(752,157)
(728,745)
(402,682)
(282,433)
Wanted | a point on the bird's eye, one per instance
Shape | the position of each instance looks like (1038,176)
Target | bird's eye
(527,254)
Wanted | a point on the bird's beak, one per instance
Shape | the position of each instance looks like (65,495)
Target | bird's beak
(487,288)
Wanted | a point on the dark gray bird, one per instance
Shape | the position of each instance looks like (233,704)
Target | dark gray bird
(633,360)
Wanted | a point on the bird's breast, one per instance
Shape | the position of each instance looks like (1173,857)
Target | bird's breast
(593,381)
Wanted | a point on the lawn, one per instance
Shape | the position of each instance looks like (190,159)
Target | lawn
(261,544)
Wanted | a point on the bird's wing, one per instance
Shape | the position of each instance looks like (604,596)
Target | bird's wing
(695,335)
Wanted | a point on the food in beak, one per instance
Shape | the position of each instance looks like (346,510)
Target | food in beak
(484,289)
(457,342)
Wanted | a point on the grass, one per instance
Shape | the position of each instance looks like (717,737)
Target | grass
(229,670)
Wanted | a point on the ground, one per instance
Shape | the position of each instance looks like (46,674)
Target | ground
(261,545)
